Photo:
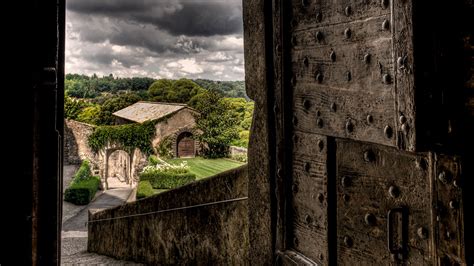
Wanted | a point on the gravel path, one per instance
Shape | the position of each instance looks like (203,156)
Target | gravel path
(74,234)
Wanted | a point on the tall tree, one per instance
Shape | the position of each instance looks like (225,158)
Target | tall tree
(114,104)
(218,125)
(176,91)
(72,107)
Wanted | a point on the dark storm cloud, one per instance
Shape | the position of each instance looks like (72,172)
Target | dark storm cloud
(191,18)
(155,38)
(119,32)
(107,58)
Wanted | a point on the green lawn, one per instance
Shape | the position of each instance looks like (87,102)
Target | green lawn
(203,168)
(158,191)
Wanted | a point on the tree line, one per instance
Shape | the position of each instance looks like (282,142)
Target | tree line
(83,86)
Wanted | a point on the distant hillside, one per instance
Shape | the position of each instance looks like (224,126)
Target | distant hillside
(232,89)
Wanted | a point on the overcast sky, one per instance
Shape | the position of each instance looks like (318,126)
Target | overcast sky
(155,38)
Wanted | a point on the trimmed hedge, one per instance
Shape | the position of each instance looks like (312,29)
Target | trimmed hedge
(83,186)
(82,191)
(84,172)
(167,180)
(144,189)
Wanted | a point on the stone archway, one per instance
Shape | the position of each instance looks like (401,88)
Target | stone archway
(118,169)
(185,146)
(190,144)
(132,162)
(120,157)
(125,159)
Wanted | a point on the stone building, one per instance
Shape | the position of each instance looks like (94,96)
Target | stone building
(119,167)
(175,124)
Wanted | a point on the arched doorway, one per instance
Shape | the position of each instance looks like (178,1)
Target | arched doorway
(185,146)
(117,168)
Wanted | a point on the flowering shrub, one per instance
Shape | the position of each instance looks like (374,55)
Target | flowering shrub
(163,166)
(240,157)
(165,176)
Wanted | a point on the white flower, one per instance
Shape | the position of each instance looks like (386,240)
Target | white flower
(166,167)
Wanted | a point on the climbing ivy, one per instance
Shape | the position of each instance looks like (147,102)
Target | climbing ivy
(129,136)
(164,148)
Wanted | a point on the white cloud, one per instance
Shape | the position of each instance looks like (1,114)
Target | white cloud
(238,70)
(190,66)
(219,56)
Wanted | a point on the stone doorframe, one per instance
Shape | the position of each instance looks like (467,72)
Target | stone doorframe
(105,165)
(174,139)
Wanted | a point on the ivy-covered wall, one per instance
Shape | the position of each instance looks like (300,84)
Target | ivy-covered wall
(128,137)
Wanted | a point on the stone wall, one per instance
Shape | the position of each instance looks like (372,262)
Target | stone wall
(75,142)
(138,163)
(182,119)
(257,37)
(234,150)
(208,234)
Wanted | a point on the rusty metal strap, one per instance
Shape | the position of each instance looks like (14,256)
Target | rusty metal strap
(170,210)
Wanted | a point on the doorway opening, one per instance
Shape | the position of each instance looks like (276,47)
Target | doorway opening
(163,79)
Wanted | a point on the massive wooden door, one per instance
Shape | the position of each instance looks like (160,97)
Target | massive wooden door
(368,165)
(185,143)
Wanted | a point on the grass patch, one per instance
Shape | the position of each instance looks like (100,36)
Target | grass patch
(158,191)
(203,168)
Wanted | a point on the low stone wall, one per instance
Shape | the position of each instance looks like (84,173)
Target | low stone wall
(207,234)
(234,150)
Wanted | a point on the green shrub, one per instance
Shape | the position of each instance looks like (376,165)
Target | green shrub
(83,173)
(82,190)
(240,157)
(243,140)
(152,160)
(144,189)
(166,180)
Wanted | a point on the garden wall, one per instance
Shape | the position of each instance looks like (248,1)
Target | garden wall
(234,150)
(75,142)
(186,229)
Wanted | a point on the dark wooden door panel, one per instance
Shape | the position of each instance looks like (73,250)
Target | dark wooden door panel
(186,147)
(448,211)
(290,257)
(373,181)
(344,72)
(309,201)
(324,12)
(343,69)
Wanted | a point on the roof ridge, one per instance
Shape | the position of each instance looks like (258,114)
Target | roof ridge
(164,103)
(140,113)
